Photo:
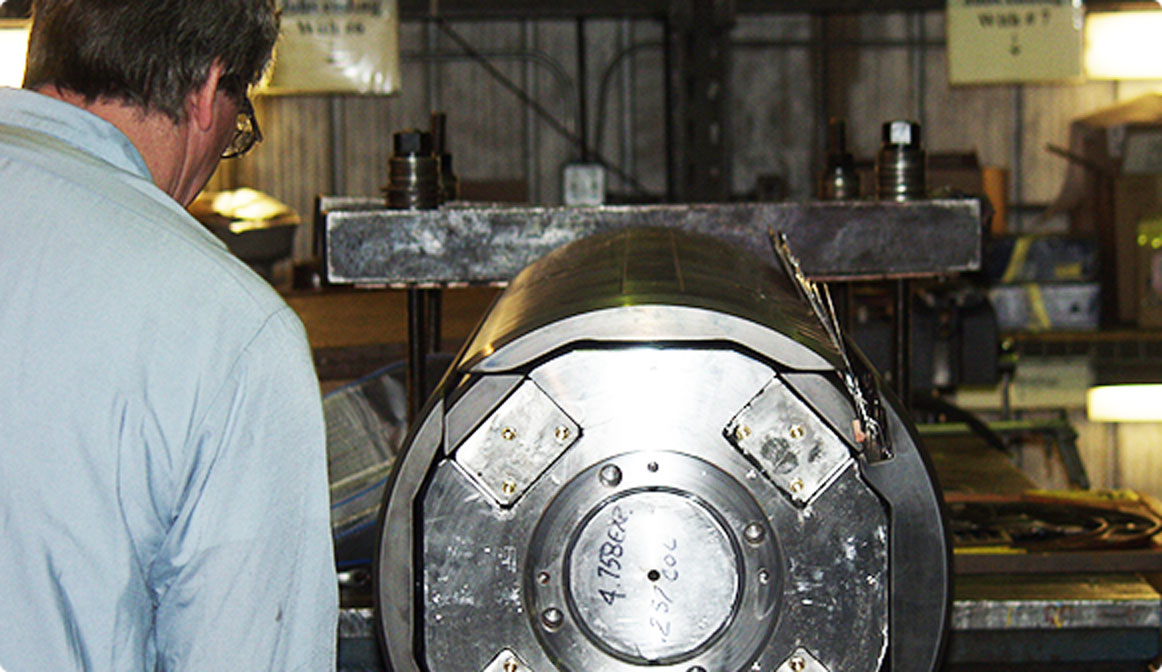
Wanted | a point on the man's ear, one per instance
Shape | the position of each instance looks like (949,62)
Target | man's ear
(200,104)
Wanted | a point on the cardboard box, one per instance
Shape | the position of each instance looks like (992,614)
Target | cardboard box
(1148,247)
(1113,181)
(1137,199)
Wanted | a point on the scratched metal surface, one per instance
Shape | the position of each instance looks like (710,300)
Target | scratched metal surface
(826,560)
(480,244)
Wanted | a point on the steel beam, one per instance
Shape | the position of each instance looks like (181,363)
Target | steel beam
(658,9)
(464,244)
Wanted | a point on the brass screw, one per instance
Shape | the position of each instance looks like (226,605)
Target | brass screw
(508,433)
(508,487)
(798,664)
(562,433)
(797,486)
(741,433)
(511,665)
(797,432)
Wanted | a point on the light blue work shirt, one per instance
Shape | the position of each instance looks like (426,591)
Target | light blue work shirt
(163,483)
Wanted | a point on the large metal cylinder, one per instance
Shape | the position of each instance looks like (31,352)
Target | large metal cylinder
(644,458)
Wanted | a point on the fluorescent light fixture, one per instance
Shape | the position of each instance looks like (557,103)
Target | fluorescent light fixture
(1124,403)
(1123,45)
(13,47)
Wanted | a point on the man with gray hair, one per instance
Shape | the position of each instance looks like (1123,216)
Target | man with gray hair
(163,486)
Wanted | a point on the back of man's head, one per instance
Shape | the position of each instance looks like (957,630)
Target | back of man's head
(149,53)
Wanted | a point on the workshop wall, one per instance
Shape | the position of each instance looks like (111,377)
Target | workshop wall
(789,73)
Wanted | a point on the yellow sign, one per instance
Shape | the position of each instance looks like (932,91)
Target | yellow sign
(1012,41)
(337,46)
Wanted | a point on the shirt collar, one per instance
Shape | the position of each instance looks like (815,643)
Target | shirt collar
(69,123)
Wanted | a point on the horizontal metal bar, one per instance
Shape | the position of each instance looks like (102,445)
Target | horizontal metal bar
(537,9)
(1054,602)
(489,244)
(1060,562)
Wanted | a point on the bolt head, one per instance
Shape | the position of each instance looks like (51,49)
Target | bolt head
(610,475)
(508,433)
(552,618)
(562,433)
(412,142)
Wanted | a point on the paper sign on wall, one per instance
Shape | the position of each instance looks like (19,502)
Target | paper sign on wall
(1009,41)
(337,46)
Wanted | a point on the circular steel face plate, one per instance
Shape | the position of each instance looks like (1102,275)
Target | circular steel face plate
(652,575)
(652,568)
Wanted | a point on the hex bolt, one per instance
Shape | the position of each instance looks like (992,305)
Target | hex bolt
(412,142)
(610,475)
(508,433)
(552,618)
(562,433)
(754,533)
(797,664)
(797,432)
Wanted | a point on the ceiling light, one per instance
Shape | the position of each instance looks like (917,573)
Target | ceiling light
(1123,45)
(1124,403)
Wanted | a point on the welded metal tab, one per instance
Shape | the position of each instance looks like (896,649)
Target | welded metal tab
(507,661)
(507,453)
(791,445)
(802,661)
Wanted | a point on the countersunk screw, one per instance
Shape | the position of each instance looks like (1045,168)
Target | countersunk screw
(511,665)
(508,433)
(754,533)
(797,664)
(552,618)
(508,488)
(797,432)
(610,475)
(741,433)
(562,433)
(797,486)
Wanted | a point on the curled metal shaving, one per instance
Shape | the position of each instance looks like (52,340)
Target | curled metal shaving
(867,427)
